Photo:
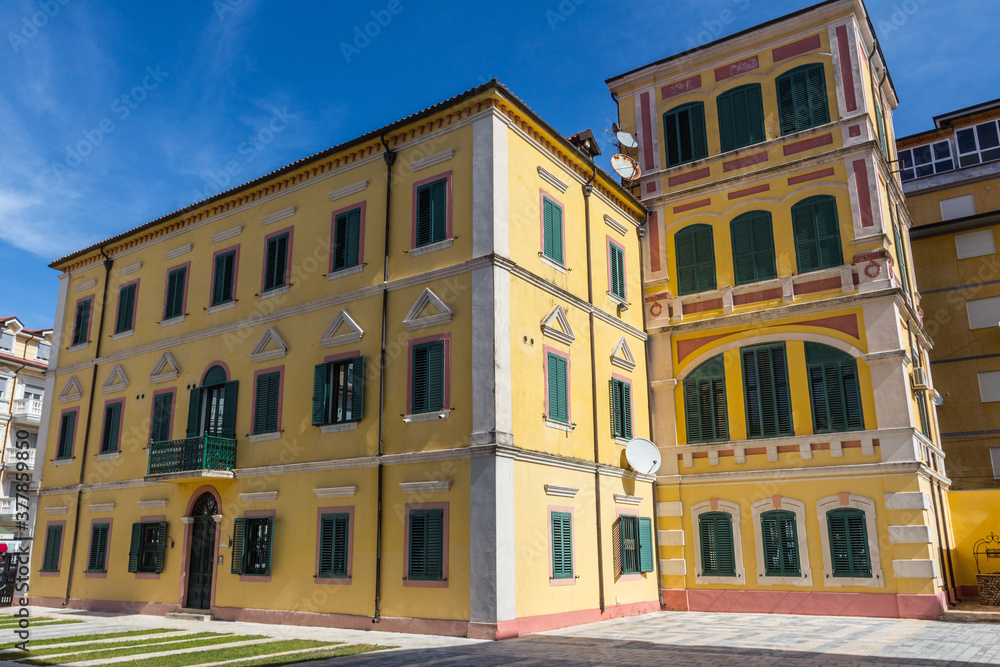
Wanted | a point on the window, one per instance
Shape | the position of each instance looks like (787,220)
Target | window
(223,277)
(925,160)
(112,427)
(883,132)
(684,134)
(989,386)
(266,417)
(163,407)
(53,547)
(705,402)
(333,538)
(917,359)
(426,553)
(978,144)
(833,389)
(338,391)
(173,305)
(32,393)
(995,459)
(81,322)
(212,407)
(781,544)
(983,313)
(252,539)
(276,262)
(427,391)
(741,117)
(765,385)
(635,544)
(557,386)
(145,553)
(901,252)
(7,341)
(42,351)
(346,240)
(125,318)
(718,553)
(616,271)
(817,233)
(3,387)
(67,430)
(802,99)
(753,247)
(621,409)
(432,212)
(975,244)
(958,207)
(562,545)
(552,230)
(97,560)
(849,543)
(695,251)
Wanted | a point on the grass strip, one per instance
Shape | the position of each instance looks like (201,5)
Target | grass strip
(123,652)
(38,621)
(98,646)
(83,638)
(211,655)
(299,658)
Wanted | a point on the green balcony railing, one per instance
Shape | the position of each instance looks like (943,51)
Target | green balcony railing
(205,452)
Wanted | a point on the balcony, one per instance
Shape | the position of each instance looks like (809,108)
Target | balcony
(11,459)
(189,458)
(7,508)
(26,411)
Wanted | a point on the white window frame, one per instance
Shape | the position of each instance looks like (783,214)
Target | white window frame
(798,508)
(909,152)
(978,151)
(976,244)
(867,505)
(732,509)
(13,341)
(39,344)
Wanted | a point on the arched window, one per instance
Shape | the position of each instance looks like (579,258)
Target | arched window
(817,233)
(684,133)
(802,98)
(781,544)
(705,402)
(212,406)
(741,117)
(849,543)
(695,252)
(718,552)
(833,389)
(753,247)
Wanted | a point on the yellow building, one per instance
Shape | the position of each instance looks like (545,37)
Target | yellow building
(788,363)
(390,382)
(949,176)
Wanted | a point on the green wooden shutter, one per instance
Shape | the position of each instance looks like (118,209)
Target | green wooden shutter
(848,543)
(695,256)
(160,427)
(333,545)
(81,322)
(802,99)
(268,544)
(326,535)
(426,558)
(616,414)
(439,204)
(741,117)
(645,544)
(552,223)
(627,409)
(718,554)
(321,393)
(562,545)
(53,541)
(229,410)
(161,545)
(174,305)
(616,270)
(435,376)
(418,389)
(112,423)
(557,389)
(833,389)
(265,419)
(126,309)
(684,133)
(133,550)
(418,537)
(358,387)
(424,216)
(66,428)
(780,544)
(194,413)
(753,247)
(616,544)
(239,546)
(276,262)
(222,285)
(98,548)
(347,240)
(765,382)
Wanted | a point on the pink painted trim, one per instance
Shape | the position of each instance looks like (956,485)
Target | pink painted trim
(152,408)
(572,546)
(447,175)
(186,553)
(756,190)
(280,370)
(689,176)
(811,176)
(62,541)
(534,624)
(107,549)
(647,133)
(361,232)
(846,69)
(72,438)
(807,144)
(701,203)
(349,511)
(446,337)
(445,544)
(854,130)
(747,161)
(612,242)
(121,425)
(150,608)
(288,258)
(795,48)
(151,519)
(650,187)
(653,227)
(209,367)
(342,355)
(864,193)
(681,87)
(90,317)
(736,68)
(256,514)
(545,369)
(187,284)
(812,603)
(542,196)
(236,270)
(135,303)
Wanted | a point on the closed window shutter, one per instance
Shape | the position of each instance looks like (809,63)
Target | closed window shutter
(552,230)
(617,269)
(424,219)
(562,545)
(126,309)
(340,242)
(418,546)
(347,240)
(833,389)
(419,388)
(268,545)
(439,218)
(645,544)
(175,294)
(741,117)
(276,262)
(222,286)
(162,416)
(695,251)
(718,556)
(112,422)
(627,409)
(848,543)
(194,413)
(802,99)
(616,415)
(358,387)
(229,410)
(53,540)
(133,550)
(557,389)
(435,376)
(426,556)
(684,134)
(780,544)
(66,429)
(239,546)
(266,415)
(705,402)
(161,544)
(98,548)
(81,323)
(333,545)
(765,381)
(753,247)
(321,392)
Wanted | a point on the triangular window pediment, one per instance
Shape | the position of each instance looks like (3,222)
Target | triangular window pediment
(621,356)
(166,369)
(555,325)
(343,329)
(117,380)
(73,391)
(428,311)
(270,346)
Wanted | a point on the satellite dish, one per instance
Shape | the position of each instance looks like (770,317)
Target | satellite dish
(643,456)
(625,167)
(627,140)
(937,398)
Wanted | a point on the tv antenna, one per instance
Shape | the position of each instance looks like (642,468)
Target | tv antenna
(643,456)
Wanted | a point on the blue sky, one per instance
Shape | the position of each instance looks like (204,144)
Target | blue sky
(115,113)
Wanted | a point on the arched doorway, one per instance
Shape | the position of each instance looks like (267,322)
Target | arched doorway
(202,556)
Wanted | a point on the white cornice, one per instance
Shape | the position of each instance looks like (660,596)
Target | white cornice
(131,268)
(57,509)
(432,486)
(625,499)
(550,178)
(102,507)
(259,497)
(278,215)
(615,225)
(432,160)
(564,334)
(152,504)
(181,250)
(351,189)
(227,233)
(336,492)
(86,285)
(561,491)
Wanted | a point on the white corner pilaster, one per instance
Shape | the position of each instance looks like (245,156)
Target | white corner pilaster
(490,232)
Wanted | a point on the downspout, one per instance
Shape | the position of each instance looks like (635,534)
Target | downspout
(946,551)
(108,263)
(390,158)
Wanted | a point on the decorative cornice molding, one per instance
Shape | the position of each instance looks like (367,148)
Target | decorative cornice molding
(227,233)
(86,285)
(432,486)
(550,178)
(278,215)
(117,380)
(72,391)
(336,492)
(432,160)
(562,491)
(413,319)
(259,497)
(348,190)
(102,507)
(270,336)
(177,252)
(330,338)
(157,504)
(564,334)
(57,509)
(625,499)
(131,268)
(166,369)
(615,225)
(626,361)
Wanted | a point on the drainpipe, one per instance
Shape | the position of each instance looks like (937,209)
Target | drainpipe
(108,263)
(946,552)
(390,159)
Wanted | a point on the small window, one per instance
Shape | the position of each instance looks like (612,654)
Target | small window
(925,160)
(802,99)
(147,547)
(833,389)
(995,459)
(333,545)
(616,271)
(346,240)
(989,386)
(741,117)
(125,318)
(562,545)
(781,544)
(176,286)
(765,387)
(97,560)
(3,387)
(621,409)
(32,393)
(694,248)
(705,402)
(635,544)
(42,351)
(426,553)
(223,277)
(958,207)
(53,547)
(557,386)
(163,406)
(427,391)
(338,391)
(753,247)
(983,313)
(849,543)
(978,144)
(684,134)
(81,322)
(552,230)
(432,212)
(267,403)
(7,341)
(718,553)
(817,234)
(276,262)
(112,427)
(252,539)
(975,244)
(67,430)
